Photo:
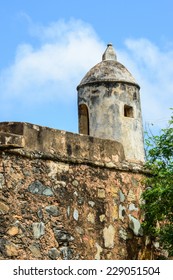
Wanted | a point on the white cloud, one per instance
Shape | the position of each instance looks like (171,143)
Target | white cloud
(153,70)
(66,51)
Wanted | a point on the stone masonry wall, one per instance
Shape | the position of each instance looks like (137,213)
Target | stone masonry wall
(59,208)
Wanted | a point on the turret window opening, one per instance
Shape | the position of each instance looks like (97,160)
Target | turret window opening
(128,111)
(83,119)
(134,96)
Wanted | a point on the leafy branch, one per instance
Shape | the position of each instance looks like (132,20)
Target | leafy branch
(158,195)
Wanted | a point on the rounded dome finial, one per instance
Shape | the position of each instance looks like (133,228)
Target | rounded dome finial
(109,53)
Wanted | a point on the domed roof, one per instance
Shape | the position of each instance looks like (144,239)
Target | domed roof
(108,70)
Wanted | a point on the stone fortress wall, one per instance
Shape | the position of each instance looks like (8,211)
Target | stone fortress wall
(67,196)
(77,196)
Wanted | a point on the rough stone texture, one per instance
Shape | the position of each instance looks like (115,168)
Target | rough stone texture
(78,220)
(65,196)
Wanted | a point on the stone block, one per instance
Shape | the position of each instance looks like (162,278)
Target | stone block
(52,210)
(101,193)
(91,218)
(135,225)
(108,235)
(4,208)
(14,230)
(38,229)
(38,188)
(54,254)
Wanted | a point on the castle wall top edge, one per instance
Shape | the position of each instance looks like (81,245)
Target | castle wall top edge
(44,142)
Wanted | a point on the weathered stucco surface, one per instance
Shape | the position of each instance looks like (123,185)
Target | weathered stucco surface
(58,144)
(62,197)
(106,109)
(111,98)
(108,71)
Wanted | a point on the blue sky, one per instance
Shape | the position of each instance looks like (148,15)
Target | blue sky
(47,46)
